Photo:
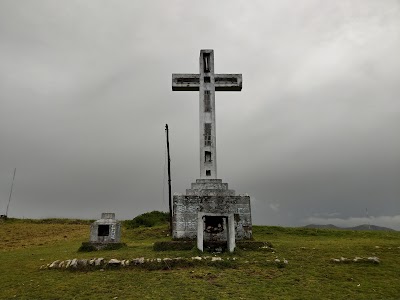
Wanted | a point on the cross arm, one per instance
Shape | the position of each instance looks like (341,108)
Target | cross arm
(185,82)
(228,82)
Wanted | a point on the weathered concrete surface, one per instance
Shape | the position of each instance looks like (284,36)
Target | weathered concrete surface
(207,83)
(208,194)
(106,230)
(187,207)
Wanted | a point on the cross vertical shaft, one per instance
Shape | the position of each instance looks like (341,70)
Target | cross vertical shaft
(208,149)
(207,82)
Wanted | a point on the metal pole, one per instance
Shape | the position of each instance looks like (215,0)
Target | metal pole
(169,181)
(9,199)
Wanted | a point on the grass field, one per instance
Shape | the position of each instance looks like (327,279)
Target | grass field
(310,274)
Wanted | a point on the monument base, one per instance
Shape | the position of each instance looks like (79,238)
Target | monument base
(213,202)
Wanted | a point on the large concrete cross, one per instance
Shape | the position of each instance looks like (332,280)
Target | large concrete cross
(207,82)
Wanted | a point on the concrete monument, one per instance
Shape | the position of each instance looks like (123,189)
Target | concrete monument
(106,230)
(210,211)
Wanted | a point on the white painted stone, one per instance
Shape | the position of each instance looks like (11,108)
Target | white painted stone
(67,263)
(54,264)
(99,261)
(74,263)
(114,261)
(374,259)
(216,259)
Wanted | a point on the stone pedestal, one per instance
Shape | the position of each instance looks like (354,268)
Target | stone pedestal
(213,198)
(106,230)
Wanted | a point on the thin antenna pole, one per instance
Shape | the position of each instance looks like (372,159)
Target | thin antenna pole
(9,199)
(169,180)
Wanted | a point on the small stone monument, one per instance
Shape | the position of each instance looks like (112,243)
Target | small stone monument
(106,230)
(210,211)
(104,233)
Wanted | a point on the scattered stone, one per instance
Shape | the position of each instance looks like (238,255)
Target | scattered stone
(199,258)
(61,265)
(91,261)
(67,263)
(277,260)
(74,263)
(285,261)
(114,262)
(167,259)
(303,248)
(98,261)
(127,262)
(374,259)
(82,262)
(377,247)
(54,264)
(158,259)
(335,260)
(216,259)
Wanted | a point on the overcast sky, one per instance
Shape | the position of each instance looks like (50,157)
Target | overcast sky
(313,137)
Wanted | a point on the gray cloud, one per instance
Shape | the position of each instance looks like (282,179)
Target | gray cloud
(85,92)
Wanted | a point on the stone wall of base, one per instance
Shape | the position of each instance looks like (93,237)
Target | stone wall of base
(186,208)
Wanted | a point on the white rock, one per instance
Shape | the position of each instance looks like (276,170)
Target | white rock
(99,261)
(335,260)
(167,259)
(127,262)
(216,259)
(285,261)
(277,260)
(67,263)
(377,247)
(199,258)
(74,263)
(54,264)
(82,262)
(91,262)
(374,259)
(141,260)
(61,265)
(357,258)
(114,262)
(158,259)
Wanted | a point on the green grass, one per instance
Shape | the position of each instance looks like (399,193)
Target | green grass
(25,245)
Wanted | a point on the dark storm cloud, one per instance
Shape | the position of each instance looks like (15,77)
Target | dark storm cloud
(313,137)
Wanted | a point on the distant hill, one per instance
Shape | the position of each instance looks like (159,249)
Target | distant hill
(359,227)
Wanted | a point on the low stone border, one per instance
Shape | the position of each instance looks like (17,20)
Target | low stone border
(357,259)
(152,263)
